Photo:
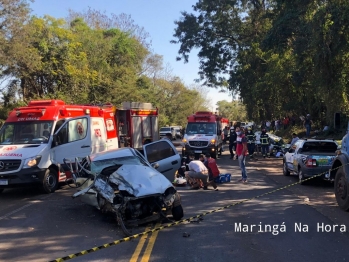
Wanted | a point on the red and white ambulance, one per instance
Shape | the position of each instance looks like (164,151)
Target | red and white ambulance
(203,134)
(36,138)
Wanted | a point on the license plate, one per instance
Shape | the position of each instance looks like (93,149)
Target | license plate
(3,182)
(198,151)
(322,161)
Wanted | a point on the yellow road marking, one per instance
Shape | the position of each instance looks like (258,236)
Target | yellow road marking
(150,245)
(139,247)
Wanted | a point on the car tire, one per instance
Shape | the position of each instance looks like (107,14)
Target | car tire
(301,177)
(285,169)
(2,190)
(341,189)
(50,181)
(177,212)
(177,209)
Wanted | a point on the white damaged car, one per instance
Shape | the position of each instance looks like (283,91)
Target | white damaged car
(125,183)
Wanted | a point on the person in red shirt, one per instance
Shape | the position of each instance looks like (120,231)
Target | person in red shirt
(241,151)
(212,167)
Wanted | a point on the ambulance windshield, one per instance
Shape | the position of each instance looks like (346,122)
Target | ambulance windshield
(36,132)
(201,128)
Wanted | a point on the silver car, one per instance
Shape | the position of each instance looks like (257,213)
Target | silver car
(137,188)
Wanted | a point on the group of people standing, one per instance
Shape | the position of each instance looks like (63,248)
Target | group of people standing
(278,124)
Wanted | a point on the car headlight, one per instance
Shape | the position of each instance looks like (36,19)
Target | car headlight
(213,141)
(31,161)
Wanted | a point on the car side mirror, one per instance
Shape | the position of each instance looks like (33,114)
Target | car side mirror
(155,165)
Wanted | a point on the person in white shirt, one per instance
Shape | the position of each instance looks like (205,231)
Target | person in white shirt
(197,170)
(294,139)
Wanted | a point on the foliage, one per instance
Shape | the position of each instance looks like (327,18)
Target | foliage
(234,111)
(87,58)
(281,57)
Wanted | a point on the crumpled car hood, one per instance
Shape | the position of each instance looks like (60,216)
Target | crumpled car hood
(140,180)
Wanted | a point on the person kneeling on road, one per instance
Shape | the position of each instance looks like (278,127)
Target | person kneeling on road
(197,170)
(212,168)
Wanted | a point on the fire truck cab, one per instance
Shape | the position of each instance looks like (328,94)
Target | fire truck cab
(203,134)
(35,139)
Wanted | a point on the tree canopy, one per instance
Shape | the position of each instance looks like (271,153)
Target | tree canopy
(86,58)
(281,57)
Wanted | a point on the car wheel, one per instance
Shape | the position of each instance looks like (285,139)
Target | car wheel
(127,232)
(301,177)
(285,170)
(341,190)
(50,181)
(177,209)
(1,190)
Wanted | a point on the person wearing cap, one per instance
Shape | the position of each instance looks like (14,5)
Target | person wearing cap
(232,142)
(251,141)
(307,124)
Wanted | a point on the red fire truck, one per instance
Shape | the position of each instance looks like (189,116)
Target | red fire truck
(225,122)
(138,124)
(203,134)
(35,139)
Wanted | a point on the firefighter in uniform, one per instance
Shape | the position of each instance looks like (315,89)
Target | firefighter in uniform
(251,141)
(264,139)
(232,142)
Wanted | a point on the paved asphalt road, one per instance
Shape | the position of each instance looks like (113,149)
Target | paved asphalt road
(39,227)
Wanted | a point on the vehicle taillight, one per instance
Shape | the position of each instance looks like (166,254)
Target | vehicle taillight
(311,163)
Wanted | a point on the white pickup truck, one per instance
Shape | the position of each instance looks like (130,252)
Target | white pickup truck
(309,157)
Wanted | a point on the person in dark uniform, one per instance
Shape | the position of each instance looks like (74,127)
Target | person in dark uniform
(264,138)
(232,142)
(251,141)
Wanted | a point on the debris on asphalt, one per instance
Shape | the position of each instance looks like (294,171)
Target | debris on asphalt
(185,234)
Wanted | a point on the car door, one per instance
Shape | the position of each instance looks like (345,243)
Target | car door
(289,156)
(73,139)
(296,155)
(164,153)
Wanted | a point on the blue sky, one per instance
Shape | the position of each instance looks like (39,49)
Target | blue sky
(156,16)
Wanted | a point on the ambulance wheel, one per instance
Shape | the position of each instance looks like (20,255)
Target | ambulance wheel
(50,181)
(1,190)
